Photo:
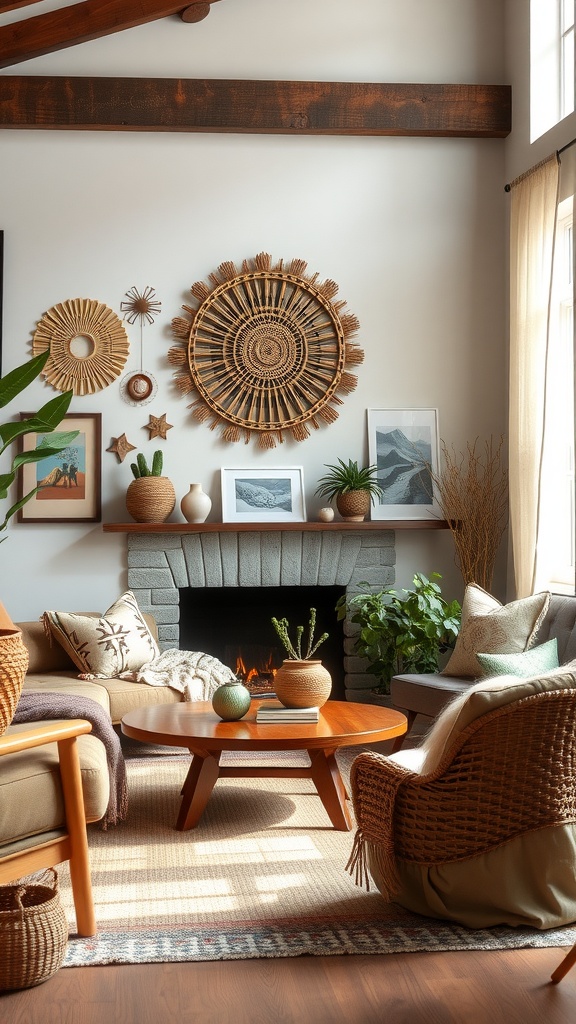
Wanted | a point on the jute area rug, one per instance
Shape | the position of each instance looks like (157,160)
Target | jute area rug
(262,875)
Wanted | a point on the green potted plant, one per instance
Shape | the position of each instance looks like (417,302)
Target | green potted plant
(301,681)
(150,497)
(354,488)
(402,634)
(13,651)
(43,422)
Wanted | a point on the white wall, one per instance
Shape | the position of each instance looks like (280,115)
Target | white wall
(411,229)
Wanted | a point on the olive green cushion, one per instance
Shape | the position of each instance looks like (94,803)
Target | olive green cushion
(527,663)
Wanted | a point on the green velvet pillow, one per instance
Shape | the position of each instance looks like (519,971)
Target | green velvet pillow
(523,664)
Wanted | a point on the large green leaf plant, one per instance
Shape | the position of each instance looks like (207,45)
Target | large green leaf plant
(43,422)
(402,634)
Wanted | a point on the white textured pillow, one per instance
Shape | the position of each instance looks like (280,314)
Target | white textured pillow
(118,641)
(490,627)
(482,697)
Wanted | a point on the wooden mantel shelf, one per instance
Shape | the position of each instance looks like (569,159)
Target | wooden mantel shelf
(379,524)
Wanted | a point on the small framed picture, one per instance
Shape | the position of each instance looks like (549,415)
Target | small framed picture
(263,495)
(69,484)
(403,445)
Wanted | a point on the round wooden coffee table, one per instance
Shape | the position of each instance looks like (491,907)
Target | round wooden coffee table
(196,726)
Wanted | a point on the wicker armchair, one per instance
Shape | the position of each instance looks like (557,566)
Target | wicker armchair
(489,836)
(67,843)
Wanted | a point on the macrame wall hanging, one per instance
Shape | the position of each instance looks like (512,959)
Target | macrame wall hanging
(265,350)
(100,331)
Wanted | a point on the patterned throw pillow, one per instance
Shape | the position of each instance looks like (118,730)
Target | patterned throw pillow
(118,641)
(528,663)
(493,628)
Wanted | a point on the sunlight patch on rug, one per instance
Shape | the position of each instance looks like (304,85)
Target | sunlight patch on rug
(262,875)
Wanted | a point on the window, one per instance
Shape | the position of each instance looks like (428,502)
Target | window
(551,63)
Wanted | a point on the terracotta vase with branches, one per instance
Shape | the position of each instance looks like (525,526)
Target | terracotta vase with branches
(472,494)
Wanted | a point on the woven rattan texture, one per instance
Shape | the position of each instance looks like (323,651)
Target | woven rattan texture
(265,350)
(33,934)
(302,684)
(13,665)
(81,318)
(512,771)
(150,499)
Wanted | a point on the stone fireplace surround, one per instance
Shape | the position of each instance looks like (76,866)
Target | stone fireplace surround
(159,563)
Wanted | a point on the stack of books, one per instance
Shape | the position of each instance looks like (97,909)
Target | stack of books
(274,711)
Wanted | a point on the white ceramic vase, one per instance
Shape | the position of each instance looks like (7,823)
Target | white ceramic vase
(196,504)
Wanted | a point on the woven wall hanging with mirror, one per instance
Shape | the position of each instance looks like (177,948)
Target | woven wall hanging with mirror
(88,345)
(266,350)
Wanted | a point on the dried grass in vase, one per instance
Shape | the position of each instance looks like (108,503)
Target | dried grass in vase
(472,493)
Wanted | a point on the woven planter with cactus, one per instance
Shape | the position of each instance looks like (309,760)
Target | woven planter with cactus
(151,497)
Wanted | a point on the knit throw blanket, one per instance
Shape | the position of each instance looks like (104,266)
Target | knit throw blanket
(194,674)
(37,707)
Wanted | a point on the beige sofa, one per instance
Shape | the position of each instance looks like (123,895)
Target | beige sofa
(31,800)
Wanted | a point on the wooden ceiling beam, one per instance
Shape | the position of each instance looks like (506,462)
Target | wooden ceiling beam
(257,107)
(13,5)
(91,19)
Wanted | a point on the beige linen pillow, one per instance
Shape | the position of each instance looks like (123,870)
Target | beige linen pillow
(482,697)
(103,647)
(489,627)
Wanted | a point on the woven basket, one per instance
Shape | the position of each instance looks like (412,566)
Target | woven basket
(33,933)
(354,505)
(13,665)
(150,499)
(302,684)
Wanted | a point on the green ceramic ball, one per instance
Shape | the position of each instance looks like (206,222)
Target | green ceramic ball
(231,701)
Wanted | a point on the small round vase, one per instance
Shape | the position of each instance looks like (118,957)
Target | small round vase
(302,684)
(231,701)
(326,515)
(196,504)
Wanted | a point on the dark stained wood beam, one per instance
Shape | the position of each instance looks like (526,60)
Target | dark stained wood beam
(79,23)
(257,107)
(15,4)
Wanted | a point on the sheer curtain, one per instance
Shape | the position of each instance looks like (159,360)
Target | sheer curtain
(537,411)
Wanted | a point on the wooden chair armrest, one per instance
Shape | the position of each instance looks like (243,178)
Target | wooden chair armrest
(46,732)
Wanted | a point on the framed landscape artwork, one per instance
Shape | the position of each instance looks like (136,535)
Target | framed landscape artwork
(263,495)
(69,483)
(403,445)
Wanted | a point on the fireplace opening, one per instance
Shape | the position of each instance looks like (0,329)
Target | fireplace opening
(234,625)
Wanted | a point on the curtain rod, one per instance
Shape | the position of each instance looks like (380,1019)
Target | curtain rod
(508,187)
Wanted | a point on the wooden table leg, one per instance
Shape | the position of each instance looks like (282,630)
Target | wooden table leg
(200,781)
(326,776)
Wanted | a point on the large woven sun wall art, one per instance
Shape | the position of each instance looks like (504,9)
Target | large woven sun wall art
(265,350)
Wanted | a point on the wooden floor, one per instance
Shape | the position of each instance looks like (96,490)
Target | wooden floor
(504,987)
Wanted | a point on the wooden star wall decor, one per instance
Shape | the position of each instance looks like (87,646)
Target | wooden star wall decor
(121,446)
(158,427)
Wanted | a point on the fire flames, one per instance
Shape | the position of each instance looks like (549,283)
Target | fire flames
(256,674)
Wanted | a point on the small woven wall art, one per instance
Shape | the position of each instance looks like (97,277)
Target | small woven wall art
(265,350)
(107,341)
(141,307)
